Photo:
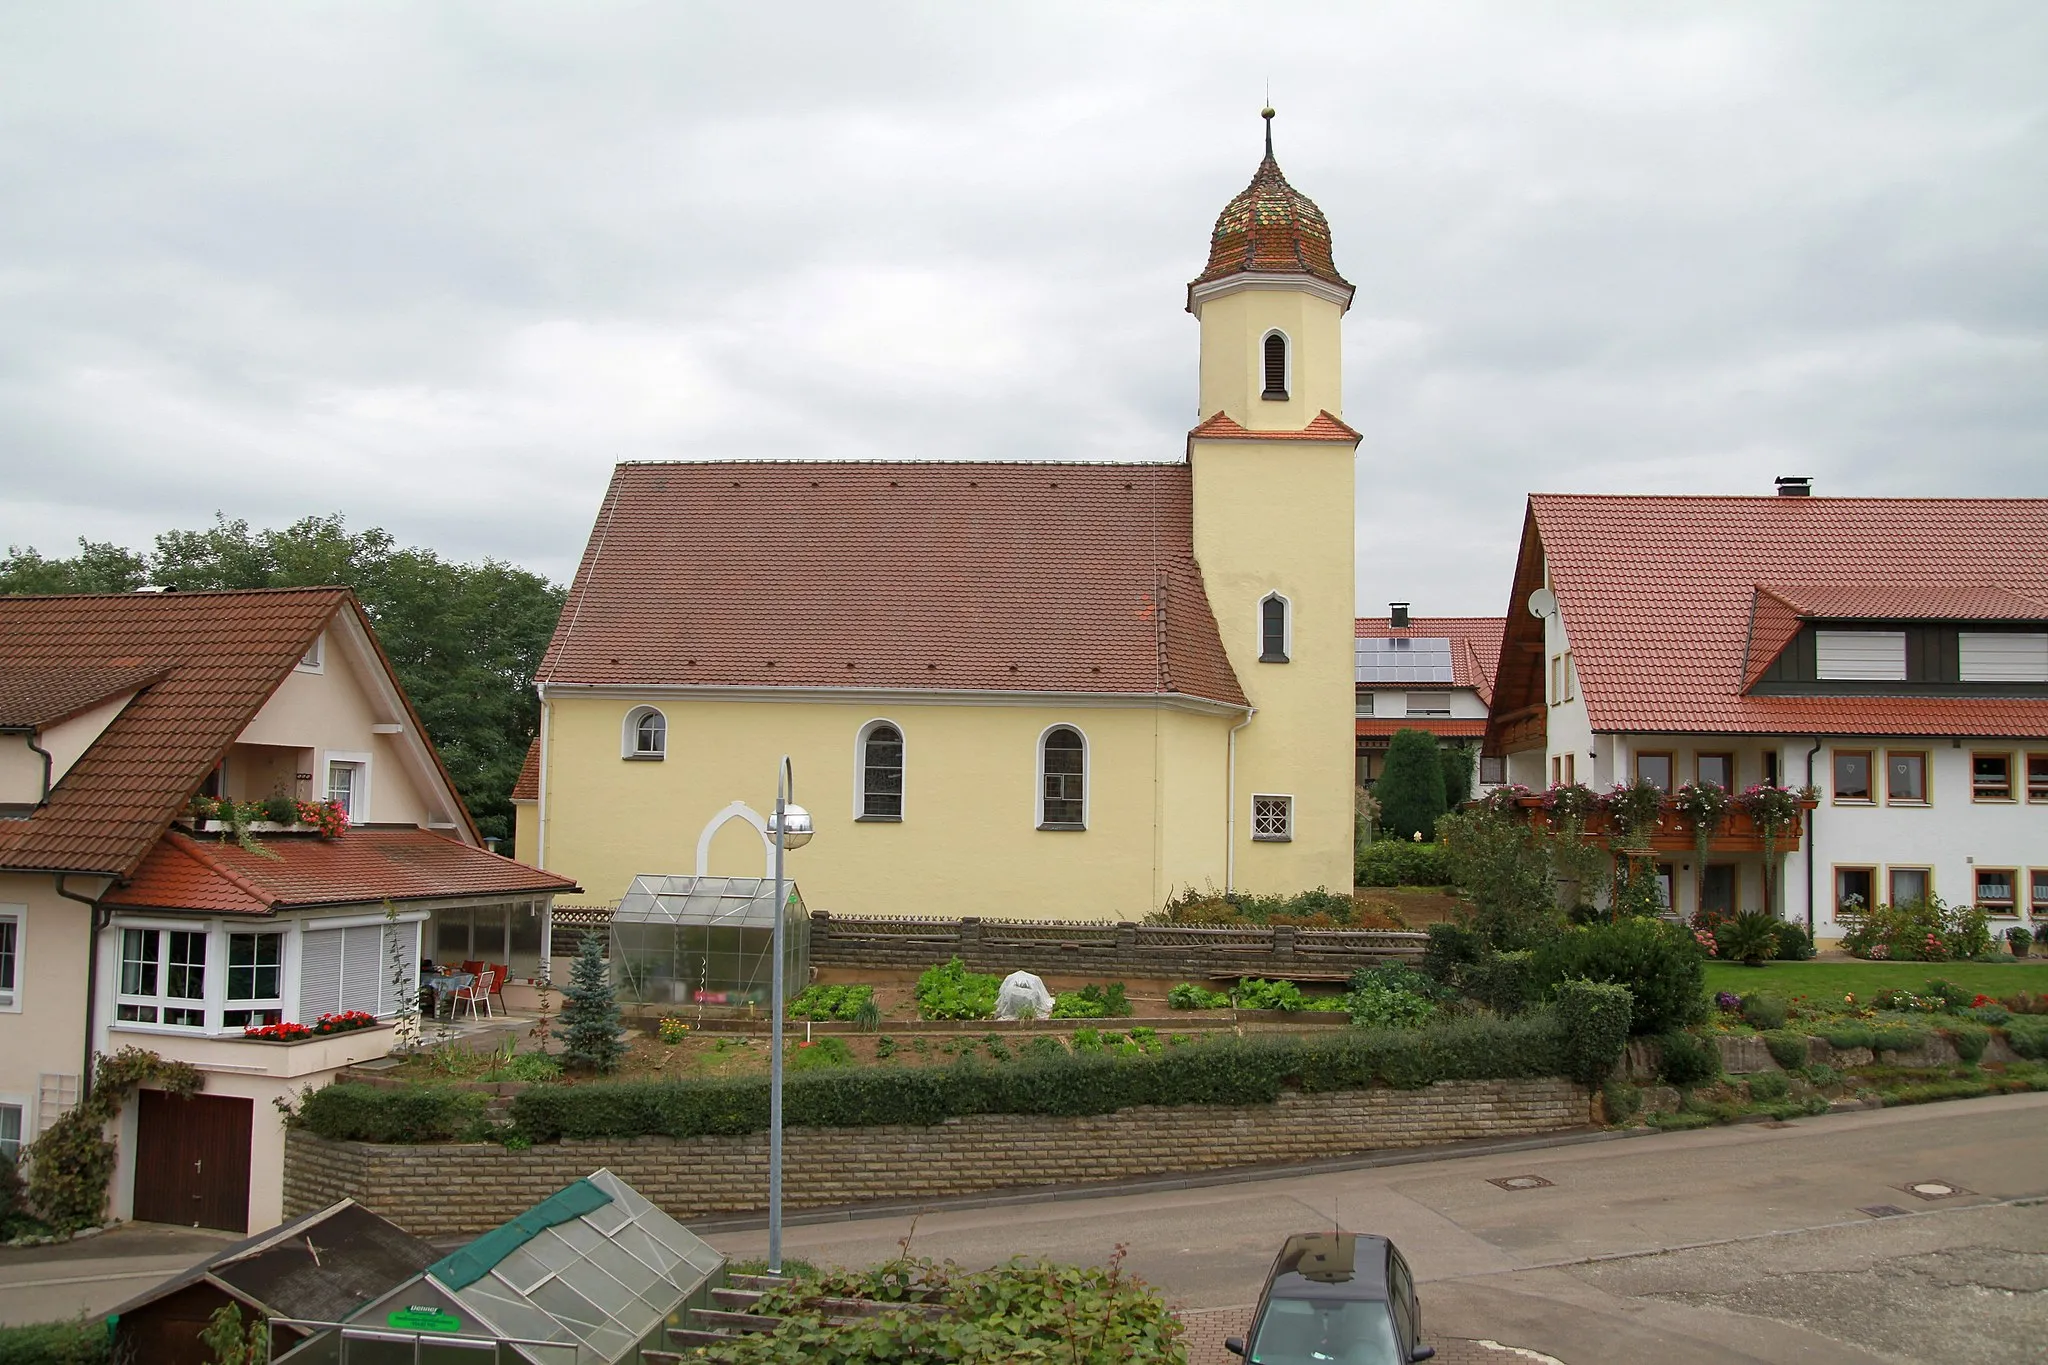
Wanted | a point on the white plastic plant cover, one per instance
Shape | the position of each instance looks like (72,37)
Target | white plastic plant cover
(1023,996)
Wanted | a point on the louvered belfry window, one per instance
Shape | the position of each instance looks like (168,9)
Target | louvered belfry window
(1276,367)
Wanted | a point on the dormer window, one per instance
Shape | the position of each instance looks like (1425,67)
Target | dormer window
(1273,630)
(646,734)
(1274,353)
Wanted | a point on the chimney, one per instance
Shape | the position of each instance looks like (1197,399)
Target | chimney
(1794,486)
(1398,615)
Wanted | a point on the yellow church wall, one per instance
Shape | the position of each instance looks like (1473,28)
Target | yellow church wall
(968,843)
(1234,328)
(1277,517)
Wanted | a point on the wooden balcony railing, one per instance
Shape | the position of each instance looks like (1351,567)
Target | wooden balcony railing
(1738,832)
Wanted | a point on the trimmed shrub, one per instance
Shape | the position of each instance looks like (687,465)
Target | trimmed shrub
(1392,862)
(1451,949)
(1794,943)
(1661,965)
(1221,1072)
(1788,1048)
(352,1112)
(1592,1022)
(1503,982)
(1687,1060)
(1763,1011)
(1410,789)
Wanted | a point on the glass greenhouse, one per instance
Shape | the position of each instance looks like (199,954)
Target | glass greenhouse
(591,1275)
(706,941)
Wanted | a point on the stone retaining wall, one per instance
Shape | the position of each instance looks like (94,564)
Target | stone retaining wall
(468,1188)
(1744,1054)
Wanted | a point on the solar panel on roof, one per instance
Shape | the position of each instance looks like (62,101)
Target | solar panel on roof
(1418,659)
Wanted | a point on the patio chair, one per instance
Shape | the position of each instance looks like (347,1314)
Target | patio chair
(474,992)
(498,972)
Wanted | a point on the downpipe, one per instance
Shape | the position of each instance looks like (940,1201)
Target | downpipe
(98,917)
(1230,796)
(1812,835)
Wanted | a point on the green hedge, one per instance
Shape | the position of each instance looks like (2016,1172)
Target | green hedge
(1223,1072)
(1400,862)
(79,1342)
(1593,1023)
(413,1113)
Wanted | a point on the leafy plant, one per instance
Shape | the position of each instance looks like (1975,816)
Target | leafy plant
(1633,808)
(1392,862)
(951,991)
(531,1067)
(830,1002)
(885,1048)
(70,1163)
(1092,1002)
(1382,1002)
(1788,1048)
(1704,808)
(1321,908)
(1451,949)
(592,1034)
(1456,761)
(1768,1087)
(1255,993)
(1750,938)
(818,1054)
(1188,996)
(231,1342)
(2018,939)
(1794,943)
(1763,1011)
(867,1015)
(1663,968)
(672,1030)
(1501,862)
(77,1342)
(1775,811)
(1503,982)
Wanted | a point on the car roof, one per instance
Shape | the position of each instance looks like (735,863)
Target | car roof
(1330,1265)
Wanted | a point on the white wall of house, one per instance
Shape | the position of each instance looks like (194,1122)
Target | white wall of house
(1390,704)
(1568,728)
(42,1018)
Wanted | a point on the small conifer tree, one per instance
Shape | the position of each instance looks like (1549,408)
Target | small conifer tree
(1457,764)
(591,1031)
(1411,786)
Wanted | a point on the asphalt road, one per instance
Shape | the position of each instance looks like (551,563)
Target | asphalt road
(1747,1243)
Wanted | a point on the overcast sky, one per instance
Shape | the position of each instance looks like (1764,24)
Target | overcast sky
(438,266)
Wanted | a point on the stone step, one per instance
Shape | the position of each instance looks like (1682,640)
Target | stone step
(690,1336)
(738,1300)
(744,1322)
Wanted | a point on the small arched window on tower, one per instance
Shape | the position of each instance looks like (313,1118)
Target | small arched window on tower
(1274,353)
(881,772)
(1273,630)
(1062,779)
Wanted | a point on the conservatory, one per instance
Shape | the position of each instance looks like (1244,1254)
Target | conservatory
(592,1275)
(706,941)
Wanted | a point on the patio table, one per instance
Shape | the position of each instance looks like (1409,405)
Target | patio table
(444,988)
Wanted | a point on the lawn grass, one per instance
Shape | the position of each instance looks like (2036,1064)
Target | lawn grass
(1821,980)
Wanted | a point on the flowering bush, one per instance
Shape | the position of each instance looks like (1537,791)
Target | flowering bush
(1635,808)
(1703,806)
(278,1033)
(1728,1002)
(1705,938)
(1571,804)
(1506,800)
(671,1029)
(328,817)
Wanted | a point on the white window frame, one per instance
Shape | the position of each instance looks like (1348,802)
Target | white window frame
(1286,628)
(1286,836)
(314,660)
(860,771)
(11,993)
(359,791)
(1038,782)
(629,735)
(1286,368)
(254,1004)
(205,1002)
(1859,655)
(24,1106)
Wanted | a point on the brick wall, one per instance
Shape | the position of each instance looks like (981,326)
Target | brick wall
(469,1188)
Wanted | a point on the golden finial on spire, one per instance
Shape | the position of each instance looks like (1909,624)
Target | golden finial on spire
(1267,114)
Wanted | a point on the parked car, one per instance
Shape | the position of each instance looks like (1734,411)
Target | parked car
(1343,1297)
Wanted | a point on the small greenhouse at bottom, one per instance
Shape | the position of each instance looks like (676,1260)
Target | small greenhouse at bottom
(706,941)
(592,1275)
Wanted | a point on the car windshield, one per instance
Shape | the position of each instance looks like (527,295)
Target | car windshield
(1342,1332)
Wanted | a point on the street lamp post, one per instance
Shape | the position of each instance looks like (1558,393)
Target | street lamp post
(792,828)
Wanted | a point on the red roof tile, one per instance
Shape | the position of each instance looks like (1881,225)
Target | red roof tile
(1439,726)
(220,655)
(369,863)
(1221,426)
(31,696)
(1475,644)
(526,787)
(1657,594)
(1909,601)
(925,576)
(1271,227)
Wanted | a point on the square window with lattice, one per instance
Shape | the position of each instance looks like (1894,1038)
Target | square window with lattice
(1273,818)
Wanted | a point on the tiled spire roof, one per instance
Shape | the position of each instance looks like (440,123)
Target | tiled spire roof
(1271,228)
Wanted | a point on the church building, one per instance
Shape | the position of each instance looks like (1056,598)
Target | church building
(1035,690)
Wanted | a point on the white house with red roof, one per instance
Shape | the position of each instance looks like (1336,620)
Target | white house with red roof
(1428,673)
(1890,653)
(128,919)
(1040,689)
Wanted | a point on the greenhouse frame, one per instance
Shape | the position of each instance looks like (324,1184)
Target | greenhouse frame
(706,941)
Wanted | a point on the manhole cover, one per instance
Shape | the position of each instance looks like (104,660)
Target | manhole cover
(1520,1182)
(1933,1189)
(1882,1210)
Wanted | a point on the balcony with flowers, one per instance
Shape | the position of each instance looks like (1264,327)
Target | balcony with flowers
(1698,818)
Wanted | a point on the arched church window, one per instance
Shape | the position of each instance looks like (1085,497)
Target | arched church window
(1273,640)
(881,772)
(1276,366)
(646,733)
(1062,779)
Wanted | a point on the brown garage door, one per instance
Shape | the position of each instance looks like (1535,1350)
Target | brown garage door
(192,1160)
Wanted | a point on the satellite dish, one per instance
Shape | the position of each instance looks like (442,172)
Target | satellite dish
(1542,602)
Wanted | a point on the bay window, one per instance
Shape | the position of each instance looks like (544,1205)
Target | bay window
(255,980)
(163,978)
